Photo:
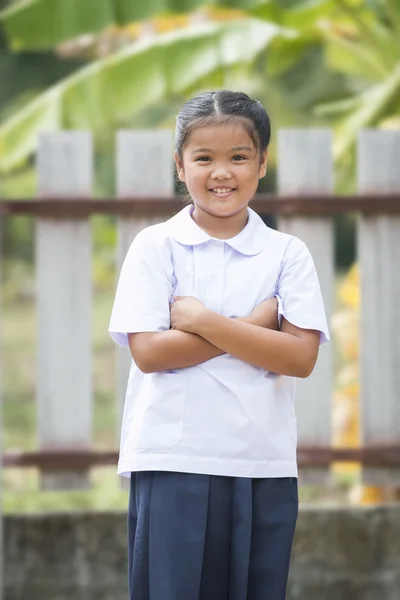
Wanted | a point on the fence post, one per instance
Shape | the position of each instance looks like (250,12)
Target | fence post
(144,168)
(379,256)
(305,165)
(63,264)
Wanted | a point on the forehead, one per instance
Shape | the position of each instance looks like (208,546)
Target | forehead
(219,137)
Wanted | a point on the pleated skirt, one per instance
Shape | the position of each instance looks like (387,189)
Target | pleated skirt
(201,537)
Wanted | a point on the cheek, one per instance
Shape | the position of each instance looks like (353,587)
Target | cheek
(194,178)
(249,178)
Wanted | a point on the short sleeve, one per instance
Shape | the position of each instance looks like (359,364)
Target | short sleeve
(143,293)
(299,293)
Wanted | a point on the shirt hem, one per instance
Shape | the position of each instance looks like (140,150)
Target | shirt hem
(205,466)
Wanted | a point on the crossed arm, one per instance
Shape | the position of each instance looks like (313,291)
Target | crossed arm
(176,349)
(198,334)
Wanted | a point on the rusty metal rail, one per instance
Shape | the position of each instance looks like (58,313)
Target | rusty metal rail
(307,456)
(311,205)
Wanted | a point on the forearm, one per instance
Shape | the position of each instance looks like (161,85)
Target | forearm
(174,349)
(274,351)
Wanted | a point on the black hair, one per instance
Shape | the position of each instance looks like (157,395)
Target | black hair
(223,106)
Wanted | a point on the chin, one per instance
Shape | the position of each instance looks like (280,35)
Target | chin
(223,211)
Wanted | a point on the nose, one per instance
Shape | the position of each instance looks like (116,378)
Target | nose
(221,173)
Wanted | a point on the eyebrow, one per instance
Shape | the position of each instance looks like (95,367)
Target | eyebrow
(235,149)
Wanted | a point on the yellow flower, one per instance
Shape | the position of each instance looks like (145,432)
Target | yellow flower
(349,290)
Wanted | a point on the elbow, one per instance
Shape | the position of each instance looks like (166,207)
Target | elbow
(140,362)
(143,362)
(301,365)
(144,367)
(304,368)
(302,354)
(147,362)
(141,351)
(304,372)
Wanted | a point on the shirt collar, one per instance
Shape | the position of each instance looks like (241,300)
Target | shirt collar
(250,241)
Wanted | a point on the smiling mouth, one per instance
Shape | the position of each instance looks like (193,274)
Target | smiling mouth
(222,191)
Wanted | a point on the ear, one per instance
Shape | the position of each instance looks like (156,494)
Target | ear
(179,167)
(263,164)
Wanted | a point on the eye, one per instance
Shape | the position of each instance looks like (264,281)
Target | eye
(202,158)
(239,157)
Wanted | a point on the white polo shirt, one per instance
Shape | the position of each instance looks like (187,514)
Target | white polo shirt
(224,416)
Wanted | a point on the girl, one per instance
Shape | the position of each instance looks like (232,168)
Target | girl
(209,433)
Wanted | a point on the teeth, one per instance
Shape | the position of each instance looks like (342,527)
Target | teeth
(222,190)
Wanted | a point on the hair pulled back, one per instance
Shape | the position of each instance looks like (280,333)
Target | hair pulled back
(223,106)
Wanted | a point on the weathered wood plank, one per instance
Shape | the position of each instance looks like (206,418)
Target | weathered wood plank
(144,168)
(63,263)
(305,165)
(379,257)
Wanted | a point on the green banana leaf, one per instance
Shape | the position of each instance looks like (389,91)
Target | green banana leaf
(299,14)
(114,89)
(355,59)
(375,105)
(42,24)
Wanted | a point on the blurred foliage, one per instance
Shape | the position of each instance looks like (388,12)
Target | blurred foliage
(345,240)
(320,63)
(61,20)
(345,326)
(105,92)
(346,409)
(343,54)
(25,75)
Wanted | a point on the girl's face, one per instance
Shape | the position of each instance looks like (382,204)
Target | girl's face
(221,168)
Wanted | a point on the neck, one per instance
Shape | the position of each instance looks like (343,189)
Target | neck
(222,228)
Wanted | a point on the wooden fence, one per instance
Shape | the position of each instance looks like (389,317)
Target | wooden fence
(145,188)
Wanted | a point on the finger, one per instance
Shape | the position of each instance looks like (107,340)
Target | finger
(176,298)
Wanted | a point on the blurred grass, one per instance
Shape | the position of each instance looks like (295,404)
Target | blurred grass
(21,491)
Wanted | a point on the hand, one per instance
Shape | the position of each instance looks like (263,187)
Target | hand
(186,313)
(265,315)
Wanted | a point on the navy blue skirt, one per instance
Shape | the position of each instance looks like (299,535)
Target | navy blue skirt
(201,537)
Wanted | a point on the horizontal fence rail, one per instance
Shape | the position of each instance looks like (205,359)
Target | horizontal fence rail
(310,205)
(307,457)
